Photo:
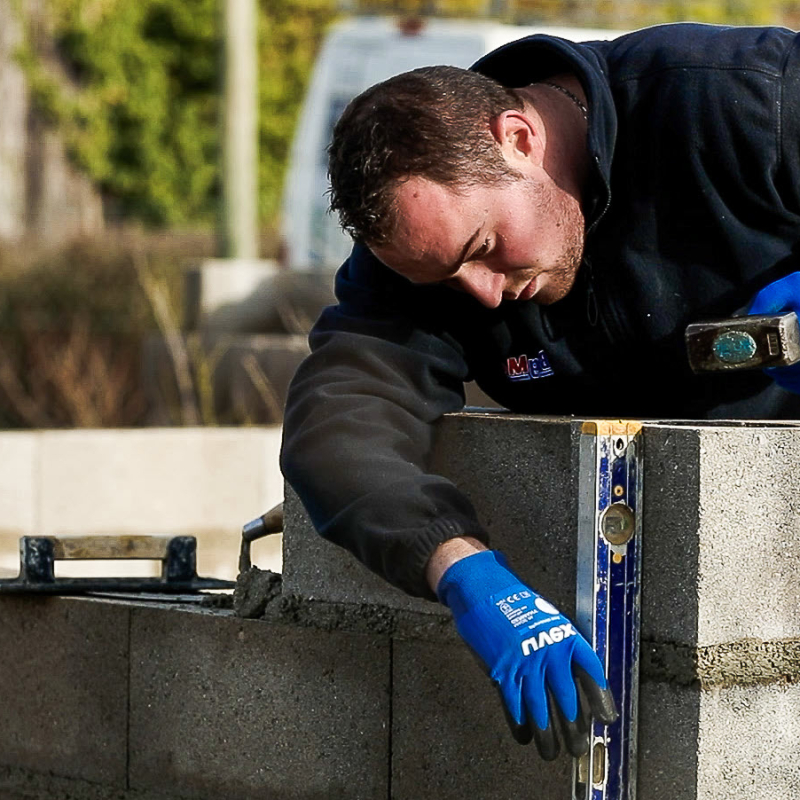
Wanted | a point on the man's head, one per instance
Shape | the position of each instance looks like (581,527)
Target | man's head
(450,178)
(431,122)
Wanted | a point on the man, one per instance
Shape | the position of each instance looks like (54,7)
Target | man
(564,207)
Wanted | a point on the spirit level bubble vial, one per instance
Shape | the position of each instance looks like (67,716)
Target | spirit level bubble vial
(608,596)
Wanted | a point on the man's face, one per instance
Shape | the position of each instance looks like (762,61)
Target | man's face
(518,240)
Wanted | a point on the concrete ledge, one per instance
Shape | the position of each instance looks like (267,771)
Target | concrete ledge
(196,703)
(203,482)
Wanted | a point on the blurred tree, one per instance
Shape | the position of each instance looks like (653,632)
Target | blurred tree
(291,34)
(134,87)
(135,90)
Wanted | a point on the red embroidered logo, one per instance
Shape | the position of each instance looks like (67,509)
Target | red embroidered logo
(526,368)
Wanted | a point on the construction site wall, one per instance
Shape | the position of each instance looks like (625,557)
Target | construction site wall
(344,688)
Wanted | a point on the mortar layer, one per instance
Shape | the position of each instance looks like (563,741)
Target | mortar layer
(746,662)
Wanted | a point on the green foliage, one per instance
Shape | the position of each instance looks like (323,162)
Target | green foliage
(138,97)
(135,85)
(290,36)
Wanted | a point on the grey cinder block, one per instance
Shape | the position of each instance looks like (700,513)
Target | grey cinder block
(696,742)
(224,707)
(449,736)
(64,687)
(736,741)
(520,475)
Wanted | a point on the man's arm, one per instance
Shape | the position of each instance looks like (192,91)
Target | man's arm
(447,554)
(359,425)
(358,432)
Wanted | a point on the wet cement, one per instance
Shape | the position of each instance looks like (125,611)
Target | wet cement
(258,595)
(746,662)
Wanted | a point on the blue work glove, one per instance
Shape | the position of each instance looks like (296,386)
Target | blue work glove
(532,652)
(781,295)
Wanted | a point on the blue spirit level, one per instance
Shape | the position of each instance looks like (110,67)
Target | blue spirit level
(608,597)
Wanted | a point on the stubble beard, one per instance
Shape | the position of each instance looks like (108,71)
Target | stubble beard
(570,220)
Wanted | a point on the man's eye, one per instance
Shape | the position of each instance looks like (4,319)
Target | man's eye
(481,251)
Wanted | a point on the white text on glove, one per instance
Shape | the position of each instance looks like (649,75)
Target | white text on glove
(556,634)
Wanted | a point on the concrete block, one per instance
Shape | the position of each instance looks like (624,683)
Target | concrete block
(222,707)
(254,296)
(669,742)
(18,492)
(316,569)
(721,532)
(449,736)
(521,474)
(748,742)
(749,534)
(670,525)
(736,741)
(64,687)
(204,482)
(450,740)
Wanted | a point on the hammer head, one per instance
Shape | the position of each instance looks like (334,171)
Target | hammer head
(756,342)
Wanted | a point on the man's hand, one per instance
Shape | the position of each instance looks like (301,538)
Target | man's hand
(532,652)
(781,295)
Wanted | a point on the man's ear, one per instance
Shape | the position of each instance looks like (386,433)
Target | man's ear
(518,137)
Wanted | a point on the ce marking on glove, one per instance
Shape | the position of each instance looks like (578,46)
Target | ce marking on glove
(513,598)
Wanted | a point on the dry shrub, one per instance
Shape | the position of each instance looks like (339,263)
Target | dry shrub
(70,378)
(72,324)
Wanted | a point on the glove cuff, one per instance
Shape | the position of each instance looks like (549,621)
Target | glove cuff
(472,579)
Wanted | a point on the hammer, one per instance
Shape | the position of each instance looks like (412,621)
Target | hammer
(750,342)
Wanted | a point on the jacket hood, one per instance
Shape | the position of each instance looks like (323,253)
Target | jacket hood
(540,56)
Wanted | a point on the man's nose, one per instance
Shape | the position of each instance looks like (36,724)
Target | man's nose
(483,284)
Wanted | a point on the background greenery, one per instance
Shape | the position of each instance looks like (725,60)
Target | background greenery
(134,88)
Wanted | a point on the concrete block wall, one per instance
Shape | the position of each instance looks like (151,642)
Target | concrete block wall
(721,607)
(204,482)
(348,689)
(105,699)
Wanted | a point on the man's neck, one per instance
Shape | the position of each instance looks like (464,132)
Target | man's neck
(566,128)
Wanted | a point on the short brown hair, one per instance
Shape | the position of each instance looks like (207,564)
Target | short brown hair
(431,122)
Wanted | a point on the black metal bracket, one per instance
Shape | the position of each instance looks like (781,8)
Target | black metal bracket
(178,556)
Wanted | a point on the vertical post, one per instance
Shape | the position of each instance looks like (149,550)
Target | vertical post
(240,131)
(608,597)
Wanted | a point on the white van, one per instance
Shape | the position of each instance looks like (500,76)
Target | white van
(356,54)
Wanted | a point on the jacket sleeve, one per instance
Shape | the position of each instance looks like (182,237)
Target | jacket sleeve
(358,426)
